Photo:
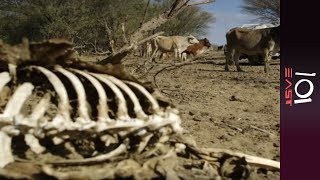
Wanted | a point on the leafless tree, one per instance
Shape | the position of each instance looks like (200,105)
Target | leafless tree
(266,10)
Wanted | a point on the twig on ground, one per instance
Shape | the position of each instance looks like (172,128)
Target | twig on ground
(252,160)
(234,127)
(262,130)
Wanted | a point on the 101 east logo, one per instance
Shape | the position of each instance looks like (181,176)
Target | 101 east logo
(302,78)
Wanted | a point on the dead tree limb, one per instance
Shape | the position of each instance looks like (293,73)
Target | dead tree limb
(116,58)
(124,33)
(177,7)
(199,3)
(252,160)
(145,13)
(110,40)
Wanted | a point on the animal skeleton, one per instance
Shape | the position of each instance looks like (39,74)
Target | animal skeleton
(81,109)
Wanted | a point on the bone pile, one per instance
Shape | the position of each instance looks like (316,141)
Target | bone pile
(79,124)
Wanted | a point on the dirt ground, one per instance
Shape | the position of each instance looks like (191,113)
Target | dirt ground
(233,110)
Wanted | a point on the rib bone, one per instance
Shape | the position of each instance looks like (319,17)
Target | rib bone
(6,156)
(122,105)
(84,117)
(62,120)
(153,101)
(103,106)
(137,107)
(16,102)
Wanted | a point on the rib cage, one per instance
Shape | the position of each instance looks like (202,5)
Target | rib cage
(78,120)
(103,105)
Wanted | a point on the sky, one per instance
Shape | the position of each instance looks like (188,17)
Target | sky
(228,14)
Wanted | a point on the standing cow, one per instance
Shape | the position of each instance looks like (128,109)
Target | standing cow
(176,44)
(263,42)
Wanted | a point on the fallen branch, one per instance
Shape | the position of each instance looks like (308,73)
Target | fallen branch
(252,160)
(234,127)
(145,13)
(262,130)
(118,56)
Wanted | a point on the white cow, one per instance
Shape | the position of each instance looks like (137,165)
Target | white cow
(176,44)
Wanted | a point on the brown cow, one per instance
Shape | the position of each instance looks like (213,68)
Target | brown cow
(263,42)
(196,49)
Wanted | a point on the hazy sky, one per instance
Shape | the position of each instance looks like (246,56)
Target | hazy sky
(228,15)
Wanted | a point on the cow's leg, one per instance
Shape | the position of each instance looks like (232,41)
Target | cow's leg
(236,57)
(176,55)
(267,54)
(266,57)
(228,56)
(153,56)
(156,49)
(184,56)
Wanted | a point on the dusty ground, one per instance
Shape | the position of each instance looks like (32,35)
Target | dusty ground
(232,110)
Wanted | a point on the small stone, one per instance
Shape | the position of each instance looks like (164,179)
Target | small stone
(233,98)
(204,114)
(231,133)
(191,113)
(276,144)
(197,118)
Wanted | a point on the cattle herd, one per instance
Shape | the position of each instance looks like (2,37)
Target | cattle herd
(241,42)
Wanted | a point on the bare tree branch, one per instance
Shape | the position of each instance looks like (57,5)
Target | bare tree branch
(266,10)
(177,7)
(199,3)
(145,13)
(117,57)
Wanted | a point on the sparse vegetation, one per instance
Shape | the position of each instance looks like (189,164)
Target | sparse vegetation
(266,10)
(92,24)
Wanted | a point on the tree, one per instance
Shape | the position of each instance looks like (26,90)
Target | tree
(92,24)
(266,10)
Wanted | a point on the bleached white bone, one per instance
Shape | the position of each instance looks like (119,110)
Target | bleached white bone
(122,113)
(102,106)
(16,102)
(34,144)
(11,130)
(152,100)
(4,79)
(83,112)
(13,71)
(137,107)
(57,140)
(63,105)
(6,156)
(40,109)
(37,113)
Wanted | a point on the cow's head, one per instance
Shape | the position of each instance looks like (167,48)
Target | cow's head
(206,43)
(192,39)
